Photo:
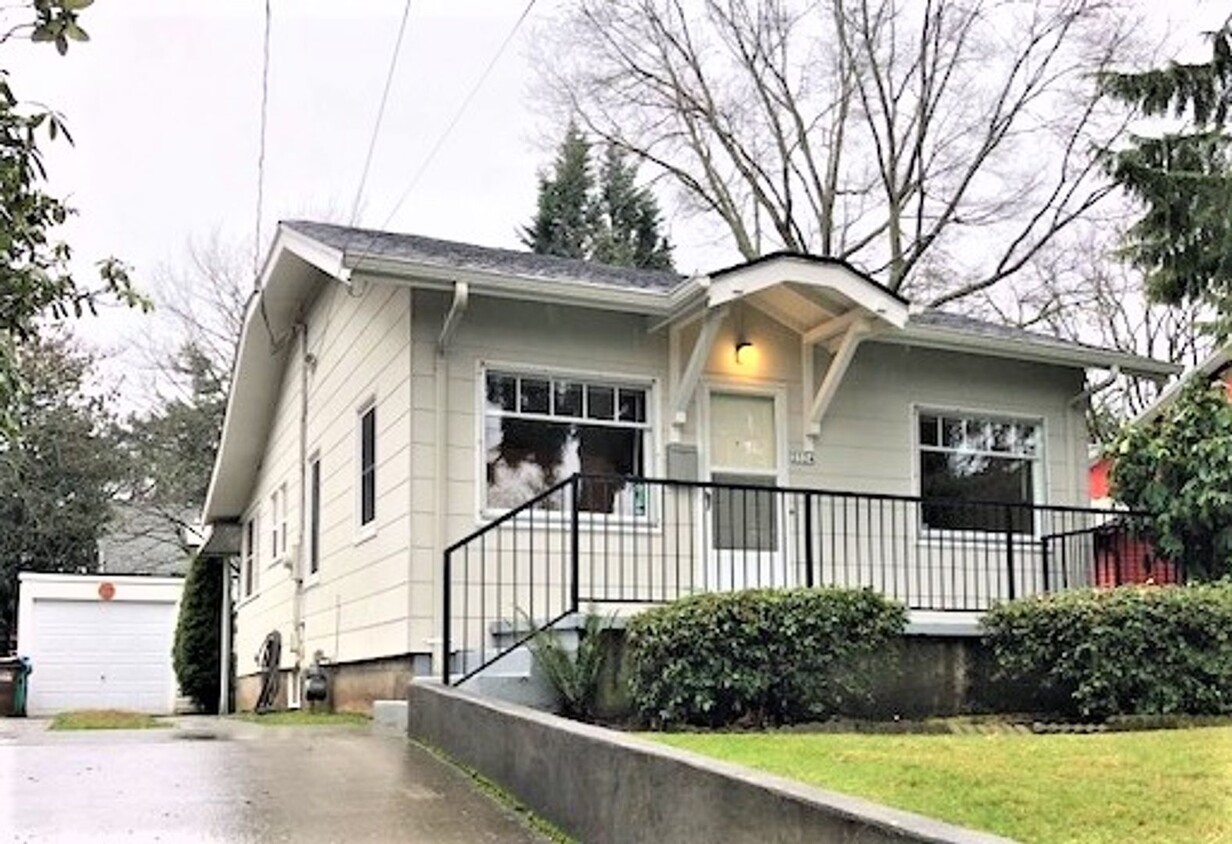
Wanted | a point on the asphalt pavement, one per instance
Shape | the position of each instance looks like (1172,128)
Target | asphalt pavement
(219,780)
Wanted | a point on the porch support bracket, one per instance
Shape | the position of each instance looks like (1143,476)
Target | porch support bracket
(711,324)
(857,328)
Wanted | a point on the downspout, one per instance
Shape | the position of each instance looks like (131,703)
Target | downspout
(297,559)
(453,318)
(1071,407)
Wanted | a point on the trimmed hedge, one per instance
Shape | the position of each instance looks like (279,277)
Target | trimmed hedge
(1134,650)
(759,656)
(198,633)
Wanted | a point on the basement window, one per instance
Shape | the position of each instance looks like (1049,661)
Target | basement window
(540,430)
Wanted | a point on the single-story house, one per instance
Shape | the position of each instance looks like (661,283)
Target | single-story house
(429,445)
(98,641)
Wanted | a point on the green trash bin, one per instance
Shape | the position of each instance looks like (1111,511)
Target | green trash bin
(14,685)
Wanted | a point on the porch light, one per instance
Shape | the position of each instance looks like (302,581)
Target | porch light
(744,352)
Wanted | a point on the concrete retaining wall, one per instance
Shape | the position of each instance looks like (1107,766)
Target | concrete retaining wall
(602,786)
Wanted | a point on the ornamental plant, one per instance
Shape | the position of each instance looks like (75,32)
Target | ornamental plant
(1178,468)
(1133,650)
(758,656)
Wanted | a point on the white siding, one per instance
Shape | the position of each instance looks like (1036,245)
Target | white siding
(355,607)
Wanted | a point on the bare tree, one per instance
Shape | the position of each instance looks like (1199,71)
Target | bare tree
(941,143)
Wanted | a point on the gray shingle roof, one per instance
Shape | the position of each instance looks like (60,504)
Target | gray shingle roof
(452,254)
(993,330)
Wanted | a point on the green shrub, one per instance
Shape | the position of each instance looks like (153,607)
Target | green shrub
(1134,650)
(777,656)
(198,633)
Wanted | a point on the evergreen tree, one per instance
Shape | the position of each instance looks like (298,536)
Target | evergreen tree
(57,475)
(563,223)
(627,219)
(198,633)
(609,220)
(1183,241)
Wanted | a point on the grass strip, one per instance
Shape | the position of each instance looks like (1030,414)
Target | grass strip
(489,787)
(106,719)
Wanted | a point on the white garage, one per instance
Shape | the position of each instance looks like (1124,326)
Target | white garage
(98,641)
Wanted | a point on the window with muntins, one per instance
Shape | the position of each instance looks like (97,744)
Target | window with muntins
(540,430)
(367,467)
(971,466)
(314,516)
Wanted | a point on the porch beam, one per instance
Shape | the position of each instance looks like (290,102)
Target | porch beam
(832,327)
(858,330)
(697,362)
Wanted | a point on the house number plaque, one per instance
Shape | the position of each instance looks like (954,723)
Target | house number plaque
(803,457)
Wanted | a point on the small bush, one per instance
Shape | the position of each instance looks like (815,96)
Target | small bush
(574,676)
(1134,650)
(198,633)
(761,656)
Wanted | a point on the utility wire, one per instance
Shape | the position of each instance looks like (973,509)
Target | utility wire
(453,123)
(256,238)
(380,113)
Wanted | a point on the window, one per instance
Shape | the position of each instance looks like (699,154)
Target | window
(969,462)
(540,430)
(278,523)
(249,556)
(367,466)
(314,516)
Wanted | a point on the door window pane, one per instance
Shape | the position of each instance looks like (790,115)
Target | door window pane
(742,432)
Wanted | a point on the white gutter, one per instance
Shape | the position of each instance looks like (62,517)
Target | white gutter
(961,341)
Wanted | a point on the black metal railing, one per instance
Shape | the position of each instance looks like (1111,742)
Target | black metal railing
(595,540)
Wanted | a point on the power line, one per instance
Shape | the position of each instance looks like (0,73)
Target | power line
(453,123)
(265,64)
(380,112)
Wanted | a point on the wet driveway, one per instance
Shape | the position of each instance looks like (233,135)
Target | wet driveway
(213,781)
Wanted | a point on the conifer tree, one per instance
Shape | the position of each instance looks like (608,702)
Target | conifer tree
(563,224)
(610,219)
(1183,179)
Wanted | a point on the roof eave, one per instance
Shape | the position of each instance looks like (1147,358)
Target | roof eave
(1078,357)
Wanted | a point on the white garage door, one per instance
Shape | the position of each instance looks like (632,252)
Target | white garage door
(102,655)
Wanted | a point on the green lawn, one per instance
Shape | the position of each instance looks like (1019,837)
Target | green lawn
(1164,786)
(105,719)
(304,718)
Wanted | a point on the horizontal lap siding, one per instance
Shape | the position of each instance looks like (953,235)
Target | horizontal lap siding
(513,334)
(356,607)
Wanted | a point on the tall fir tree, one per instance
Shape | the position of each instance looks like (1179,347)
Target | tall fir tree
(563,223)
(1183,179)
(627,218)
(610,219)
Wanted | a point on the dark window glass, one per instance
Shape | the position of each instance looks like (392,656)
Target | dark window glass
(744,519)
(600,402)
(249,548)
(367,467)
(928,430)
(503,391)
(567,397)
(959,491)
(534,396)
(632,405)
(314,519)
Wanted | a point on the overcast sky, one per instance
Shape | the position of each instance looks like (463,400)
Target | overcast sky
(164,105)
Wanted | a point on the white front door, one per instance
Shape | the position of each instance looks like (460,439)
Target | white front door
(745,521)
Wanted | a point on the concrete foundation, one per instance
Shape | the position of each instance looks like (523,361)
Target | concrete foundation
(353,686)
(602,786)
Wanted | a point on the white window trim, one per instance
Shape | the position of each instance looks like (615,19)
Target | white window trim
(278,526)
(1039,473)
(547,518)
(250,556)
(365,531)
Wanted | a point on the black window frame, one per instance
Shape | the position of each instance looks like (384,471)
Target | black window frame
(367,467)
